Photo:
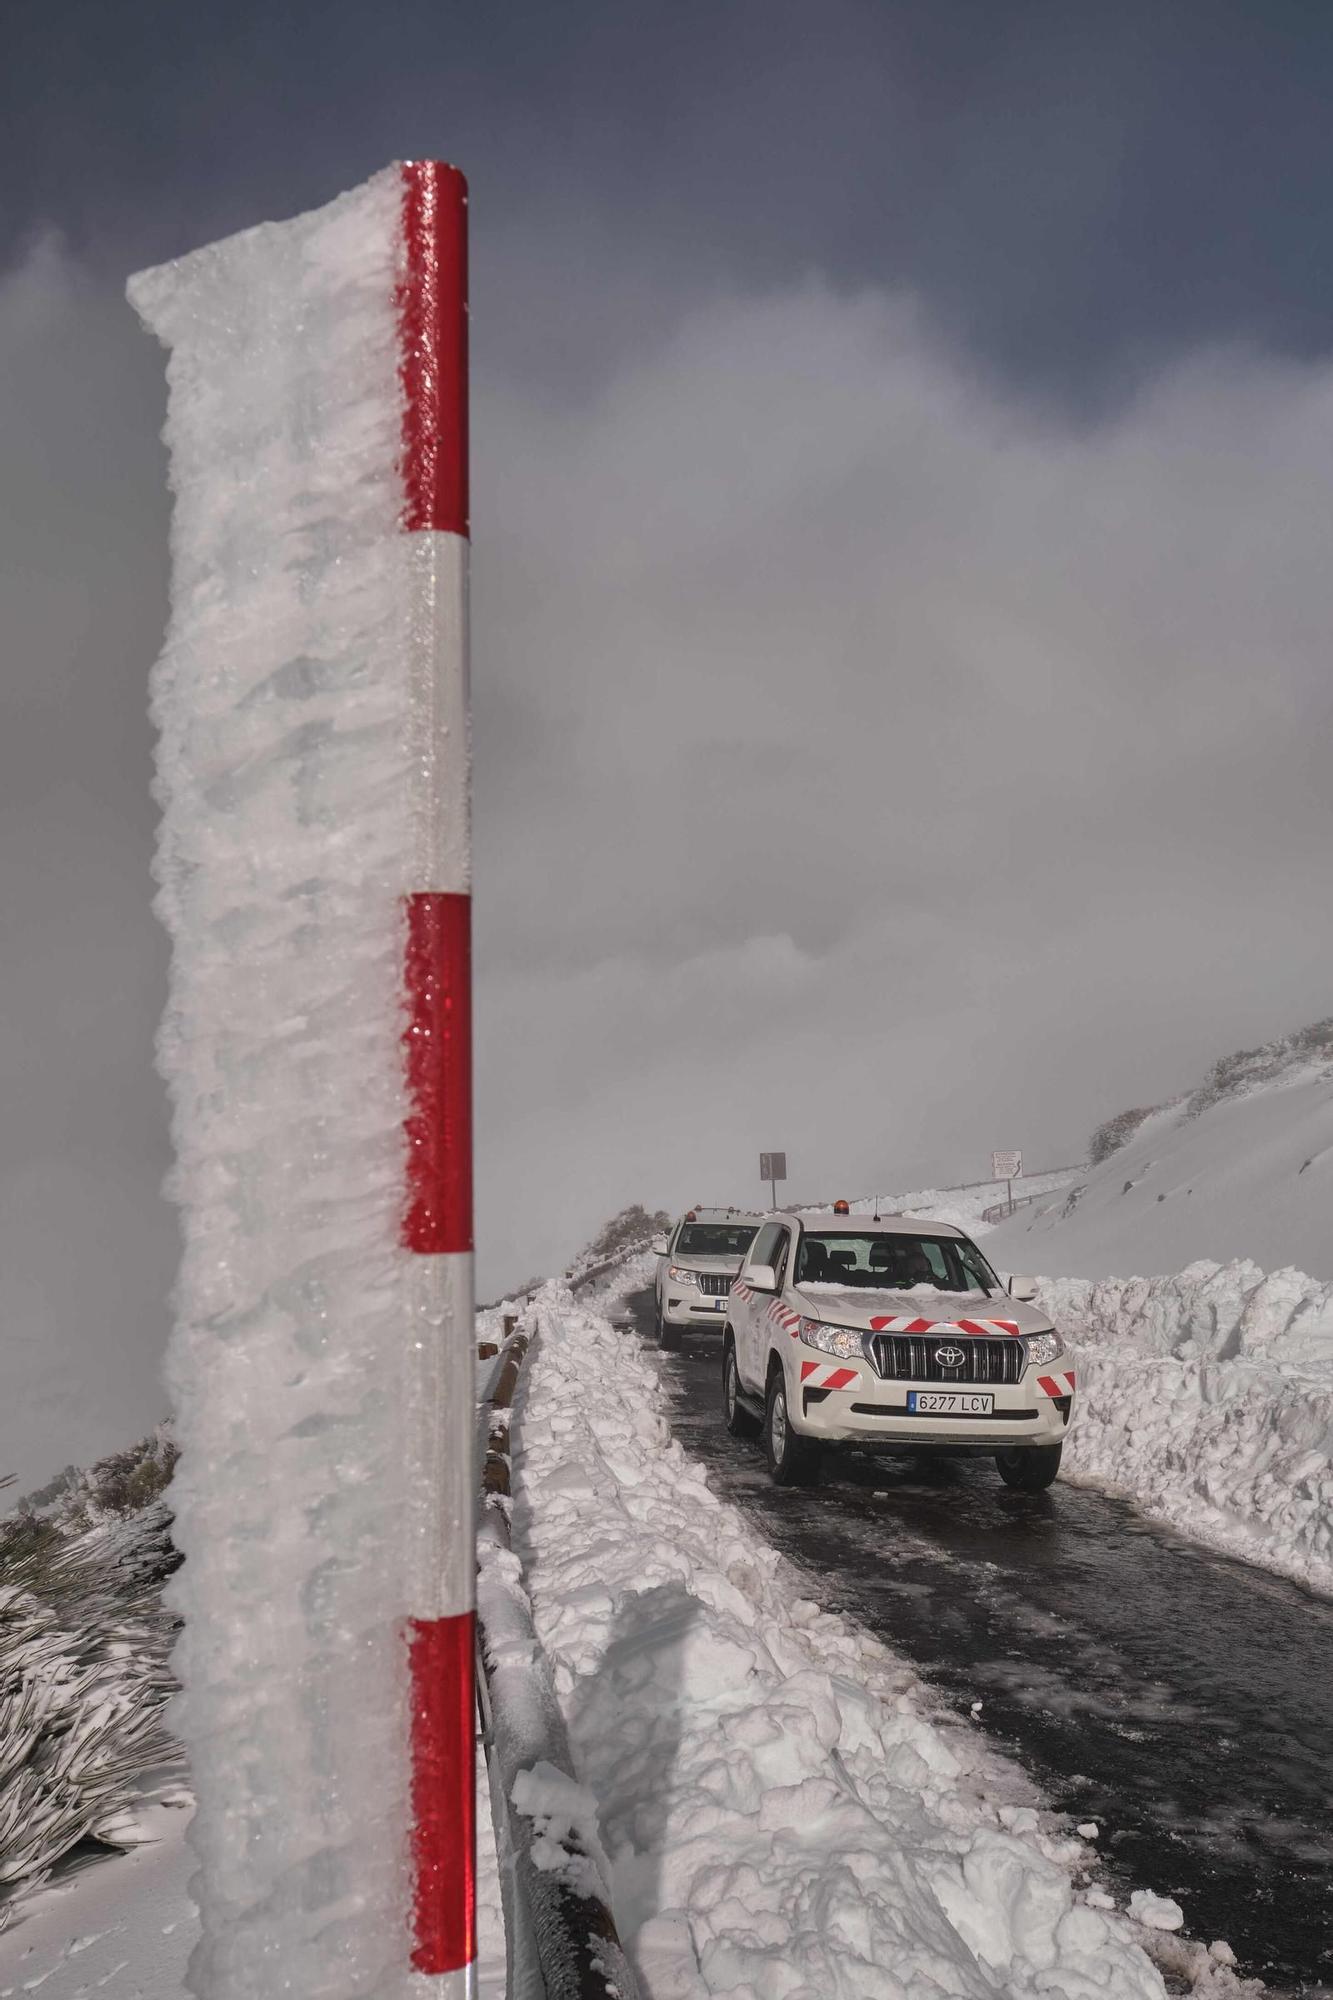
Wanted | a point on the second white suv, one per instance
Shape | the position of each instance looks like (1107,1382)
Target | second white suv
(896,1332)
(696,1268)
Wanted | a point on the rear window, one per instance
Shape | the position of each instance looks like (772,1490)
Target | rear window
(715,1239)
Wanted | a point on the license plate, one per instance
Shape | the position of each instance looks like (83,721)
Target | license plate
(718,1305)
(948,1403)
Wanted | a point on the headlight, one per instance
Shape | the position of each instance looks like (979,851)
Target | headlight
(844,1341)
(1043,1347)
(682,1277)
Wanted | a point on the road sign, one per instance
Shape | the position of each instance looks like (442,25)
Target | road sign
(1006,1166)
(772,1166)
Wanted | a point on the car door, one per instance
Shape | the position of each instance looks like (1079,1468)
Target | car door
(753,1315)
(782,1269)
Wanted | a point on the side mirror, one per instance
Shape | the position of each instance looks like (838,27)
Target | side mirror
(1023,1289)
(658,1246)
(760,1277)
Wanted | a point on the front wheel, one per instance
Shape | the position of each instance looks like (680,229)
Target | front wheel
(668,1336)
(1031,1469)
(735,1416)
(793,1460)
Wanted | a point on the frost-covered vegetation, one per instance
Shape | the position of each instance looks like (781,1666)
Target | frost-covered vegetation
(626,1235)
(84,1641)
(1111,1136)
(1252,1069)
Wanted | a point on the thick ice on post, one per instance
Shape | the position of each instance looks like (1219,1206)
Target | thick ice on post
(283,700)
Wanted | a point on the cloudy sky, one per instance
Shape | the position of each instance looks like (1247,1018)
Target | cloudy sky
(904,436)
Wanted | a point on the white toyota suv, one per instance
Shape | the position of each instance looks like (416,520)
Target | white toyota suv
(696,1268)
(847,1330)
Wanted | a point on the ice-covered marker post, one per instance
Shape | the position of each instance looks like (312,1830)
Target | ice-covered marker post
(313,863)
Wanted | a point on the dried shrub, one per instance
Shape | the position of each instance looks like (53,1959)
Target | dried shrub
(1116,1132)
(84,1647)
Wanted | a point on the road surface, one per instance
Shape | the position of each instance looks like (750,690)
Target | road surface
(1181,1700)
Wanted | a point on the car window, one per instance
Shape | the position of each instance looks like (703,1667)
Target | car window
(765,1243)
(714,1239)
(780,1254)
(978,1270)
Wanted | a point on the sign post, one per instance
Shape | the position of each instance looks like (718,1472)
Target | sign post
(773,1168)
(1007,1167)
(437,1043)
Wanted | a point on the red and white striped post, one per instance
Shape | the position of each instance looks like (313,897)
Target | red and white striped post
(437,1221)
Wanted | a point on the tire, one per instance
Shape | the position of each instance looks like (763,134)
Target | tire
(668,1336)
(735,1416)
(1031,1469)
(793,1460)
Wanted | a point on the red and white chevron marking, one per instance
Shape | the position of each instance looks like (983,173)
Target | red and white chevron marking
(1056,1385)
(900,1324)
(781,1315)
(437,1217)
(828,1375)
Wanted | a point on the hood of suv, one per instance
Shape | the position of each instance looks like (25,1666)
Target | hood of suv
(972,1311)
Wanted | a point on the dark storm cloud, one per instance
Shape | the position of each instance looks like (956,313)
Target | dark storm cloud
(901,600)
(1078,188)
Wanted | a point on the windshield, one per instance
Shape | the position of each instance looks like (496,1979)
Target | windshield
(897,1263)
(715,1239)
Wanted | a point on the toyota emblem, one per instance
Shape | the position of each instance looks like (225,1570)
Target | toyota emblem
(950,1357)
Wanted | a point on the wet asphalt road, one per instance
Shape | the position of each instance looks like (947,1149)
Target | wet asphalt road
(1182,1700)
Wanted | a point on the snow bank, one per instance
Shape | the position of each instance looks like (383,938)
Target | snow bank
(283,702)
(1208,1397)
(782,1815)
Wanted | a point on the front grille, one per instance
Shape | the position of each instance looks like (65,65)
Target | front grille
(910,1357)
(715,1284)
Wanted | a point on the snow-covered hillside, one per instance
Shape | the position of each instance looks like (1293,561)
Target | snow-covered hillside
(1242,1168)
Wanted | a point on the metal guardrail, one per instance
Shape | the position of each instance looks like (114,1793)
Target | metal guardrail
(962,1187)
(560,1934)
(1002,1210)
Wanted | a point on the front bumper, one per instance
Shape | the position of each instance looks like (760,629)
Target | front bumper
(868,1410)
(687,1306)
